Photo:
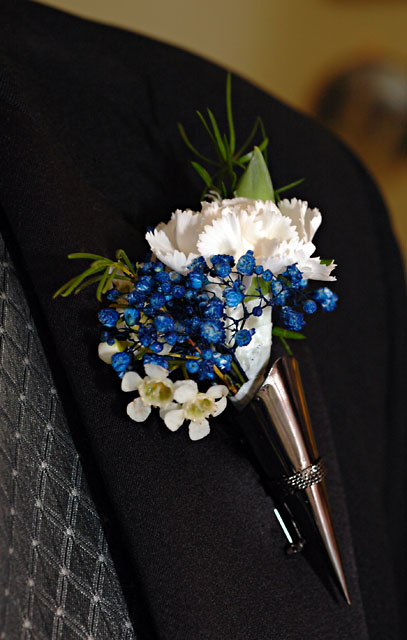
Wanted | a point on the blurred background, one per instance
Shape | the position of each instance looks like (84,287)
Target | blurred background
(343,62)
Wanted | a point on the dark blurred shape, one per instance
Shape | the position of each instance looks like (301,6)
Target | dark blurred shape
(367,105)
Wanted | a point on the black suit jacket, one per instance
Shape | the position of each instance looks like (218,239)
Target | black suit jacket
(89,156)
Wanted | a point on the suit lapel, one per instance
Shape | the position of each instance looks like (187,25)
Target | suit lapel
(216,544)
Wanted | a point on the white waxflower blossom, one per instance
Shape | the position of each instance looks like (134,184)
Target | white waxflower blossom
(279,235)
(106,351)
(195,406)
(155,390)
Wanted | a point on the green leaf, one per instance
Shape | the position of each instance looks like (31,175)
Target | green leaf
(87,283)
(191,146)
(228,161)
(289,186)
(89,256)
(286,333)
(101,263)
(234,181)
(239,372)
(227,151)
(249,139)
(248,156)
(102,283)
(122,255)
(263,146)
(72,284)
(286,346)
(255,183)
(203,173)
(216,132)
(263,133)
(64,286)
(207,129)
(255,285)
(242,161)
(232,135)
(108,282)
(326,261)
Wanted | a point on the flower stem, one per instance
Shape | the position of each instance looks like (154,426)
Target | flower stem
(286,345)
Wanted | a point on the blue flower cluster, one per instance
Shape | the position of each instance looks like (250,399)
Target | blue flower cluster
(186,322)
(287,293)
(167,313)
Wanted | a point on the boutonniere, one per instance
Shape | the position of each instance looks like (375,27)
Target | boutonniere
(190,326)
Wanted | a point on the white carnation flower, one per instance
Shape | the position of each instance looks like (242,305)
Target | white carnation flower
(279,235)
(196,407)
(155,390)
(242,224)
(175,243)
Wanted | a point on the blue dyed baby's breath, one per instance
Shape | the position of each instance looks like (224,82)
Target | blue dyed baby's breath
(108,317)
(178,321)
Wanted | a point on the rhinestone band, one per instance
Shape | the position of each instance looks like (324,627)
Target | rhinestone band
(306,477)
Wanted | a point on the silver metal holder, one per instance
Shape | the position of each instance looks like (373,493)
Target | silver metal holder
(305,478)
(283,442)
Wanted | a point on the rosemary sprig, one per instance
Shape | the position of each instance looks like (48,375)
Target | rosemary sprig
(102,271)
(225,177)
(221,174)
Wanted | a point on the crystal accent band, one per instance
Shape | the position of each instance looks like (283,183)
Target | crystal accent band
(303,479)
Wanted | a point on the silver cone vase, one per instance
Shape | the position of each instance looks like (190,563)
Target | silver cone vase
(284,445)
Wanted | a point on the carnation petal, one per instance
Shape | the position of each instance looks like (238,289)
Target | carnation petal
(254,357)
(276,225)
(175,259)
(174,243)
(179,261)
(267,246)
(233,234)
(159,241)
(314,270)
(187,229)
(305,220)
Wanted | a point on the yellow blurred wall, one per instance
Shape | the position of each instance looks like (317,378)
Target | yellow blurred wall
(285,46)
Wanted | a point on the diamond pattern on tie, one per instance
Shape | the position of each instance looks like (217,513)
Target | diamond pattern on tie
(57,579)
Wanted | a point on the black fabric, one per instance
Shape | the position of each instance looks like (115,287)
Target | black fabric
(89,156)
